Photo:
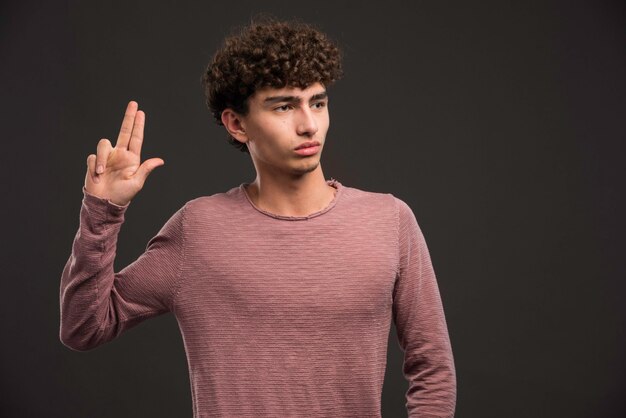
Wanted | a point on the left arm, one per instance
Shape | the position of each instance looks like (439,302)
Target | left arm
(421,326)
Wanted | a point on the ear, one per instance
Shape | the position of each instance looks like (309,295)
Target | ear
(233,123)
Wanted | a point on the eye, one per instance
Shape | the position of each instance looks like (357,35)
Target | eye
(282,108)
(319,105)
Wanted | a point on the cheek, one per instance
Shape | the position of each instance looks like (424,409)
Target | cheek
(324,123)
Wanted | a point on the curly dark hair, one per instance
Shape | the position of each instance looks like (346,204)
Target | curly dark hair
(268,53)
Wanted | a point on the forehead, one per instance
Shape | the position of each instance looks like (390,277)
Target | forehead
(265,92)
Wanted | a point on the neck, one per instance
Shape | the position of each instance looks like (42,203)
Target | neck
(291,196)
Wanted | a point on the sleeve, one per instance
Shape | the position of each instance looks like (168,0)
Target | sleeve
(98,304)
(421,326)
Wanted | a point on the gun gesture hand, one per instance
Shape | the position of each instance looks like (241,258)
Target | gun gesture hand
(116,173)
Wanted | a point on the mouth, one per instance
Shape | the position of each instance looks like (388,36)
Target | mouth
(308,144)
(308,148)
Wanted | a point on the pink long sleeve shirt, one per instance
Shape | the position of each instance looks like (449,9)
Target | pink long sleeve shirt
(281,316)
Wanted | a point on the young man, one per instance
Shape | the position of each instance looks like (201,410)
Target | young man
(284,288)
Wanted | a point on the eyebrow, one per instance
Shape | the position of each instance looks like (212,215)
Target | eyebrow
(293,99)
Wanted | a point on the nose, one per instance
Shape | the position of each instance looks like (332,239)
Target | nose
(306,123)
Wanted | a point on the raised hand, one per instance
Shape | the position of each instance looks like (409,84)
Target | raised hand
(116,173)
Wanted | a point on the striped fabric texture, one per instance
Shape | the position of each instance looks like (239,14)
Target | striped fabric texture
(280,316)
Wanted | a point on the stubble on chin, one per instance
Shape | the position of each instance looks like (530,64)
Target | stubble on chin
(300,171)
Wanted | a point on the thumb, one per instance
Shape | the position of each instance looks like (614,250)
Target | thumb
(146,168)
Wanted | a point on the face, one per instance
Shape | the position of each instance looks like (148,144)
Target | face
(285,129)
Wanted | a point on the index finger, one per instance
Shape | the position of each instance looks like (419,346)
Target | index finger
(127,125)
(136,138)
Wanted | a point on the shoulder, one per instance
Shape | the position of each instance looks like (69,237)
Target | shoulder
(214,205)
(378,202)
(368,199)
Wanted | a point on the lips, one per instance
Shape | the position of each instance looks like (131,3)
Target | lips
(308,144)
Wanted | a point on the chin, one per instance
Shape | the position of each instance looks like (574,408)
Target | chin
(306,169)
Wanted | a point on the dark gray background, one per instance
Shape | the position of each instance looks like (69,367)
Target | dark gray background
(501,123)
